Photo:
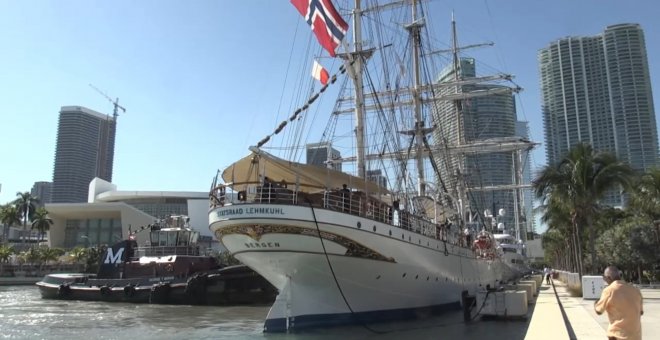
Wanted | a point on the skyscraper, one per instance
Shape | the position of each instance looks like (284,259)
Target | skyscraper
(322,154)
(522,130)
(597,90)
(483,117)
(85,149)
(42,190)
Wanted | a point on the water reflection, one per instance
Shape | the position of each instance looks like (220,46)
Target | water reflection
(24,315)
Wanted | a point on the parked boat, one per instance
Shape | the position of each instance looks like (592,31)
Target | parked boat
(373,244)
(513,255)
(172,269)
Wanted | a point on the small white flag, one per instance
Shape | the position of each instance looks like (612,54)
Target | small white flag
(320,73)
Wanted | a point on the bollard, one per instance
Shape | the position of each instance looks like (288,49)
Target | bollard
(467,302)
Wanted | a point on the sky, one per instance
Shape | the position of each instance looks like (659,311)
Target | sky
(203,80)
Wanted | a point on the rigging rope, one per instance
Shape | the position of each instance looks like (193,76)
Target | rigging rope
(314,97)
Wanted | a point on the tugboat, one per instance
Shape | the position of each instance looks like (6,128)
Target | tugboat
(171,269)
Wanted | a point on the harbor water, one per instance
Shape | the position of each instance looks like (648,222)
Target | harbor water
(25,315)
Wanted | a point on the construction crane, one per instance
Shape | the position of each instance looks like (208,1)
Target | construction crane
(115,103)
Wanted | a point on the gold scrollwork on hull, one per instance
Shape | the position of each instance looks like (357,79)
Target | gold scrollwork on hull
(255,232)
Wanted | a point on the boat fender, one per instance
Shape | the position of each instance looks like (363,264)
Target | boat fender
(105,290)
(196,287)
(159,293)
(129,290)
(64,290)
(169,267)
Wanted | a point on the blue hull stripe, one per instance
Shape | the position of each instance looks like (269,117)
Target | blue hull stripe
(326,320)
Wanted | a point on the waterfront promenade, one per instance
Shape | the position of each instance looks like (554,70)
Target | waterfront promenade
(561,316)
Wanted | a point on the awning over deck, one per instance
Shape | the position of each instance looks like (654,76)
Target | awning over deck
(308,178)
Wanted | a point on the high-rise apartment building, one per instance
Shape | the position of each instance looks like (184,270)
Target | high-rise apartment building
(522,131)
(377,177)
(483,117)
(597,90)
(323,154)
(42,191)
(85,149)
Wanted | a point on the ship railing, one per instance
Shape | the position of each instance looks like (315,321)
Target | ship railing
(349,201)
(167,250)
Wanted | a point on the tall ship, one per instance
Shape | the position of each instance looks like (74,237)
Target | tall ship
(377,224)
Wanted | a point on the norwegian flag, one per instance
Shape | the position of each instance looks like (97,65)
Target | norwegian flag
(327,24)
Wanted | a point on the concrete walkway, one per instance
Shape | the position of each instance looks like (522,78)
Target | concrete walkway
(583,323)
(547,320)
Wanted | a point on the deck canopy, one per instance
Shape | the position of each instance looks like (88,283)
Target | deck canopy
(308,178)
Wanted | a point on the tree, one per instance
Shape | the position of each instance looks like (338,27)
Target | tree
(581,180)
(50,254)
(26,205)
(79,254)
(556,215)
(93,258)
(31,256)
(9,216)
(630,246)
(645,200)
(5,254)
(41,222)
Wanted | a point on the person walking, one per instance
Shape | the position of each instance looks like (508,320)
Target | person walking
(623,304)
(547,272)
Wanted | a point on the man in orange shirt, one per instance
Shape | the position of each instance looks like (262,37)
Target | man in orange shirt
(623,304)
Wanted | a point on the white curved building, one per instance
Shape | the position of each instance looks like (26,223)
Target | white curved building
(110,215)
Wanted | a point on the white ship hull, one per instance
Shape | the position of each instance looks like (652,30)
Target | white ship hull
(515,266)
(331,267)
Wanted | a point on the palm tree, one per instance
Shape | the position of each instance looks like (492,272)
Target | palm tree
(41,222)
(78,254)
(9,216)
(581,180)
(50,254)
(5,254)
(556,215)
(26,206)
(553,245)
(31,256)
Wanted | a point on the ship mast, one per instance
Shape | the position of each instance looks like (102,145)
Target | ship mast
(414,29)
(460,188)
(356,74)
